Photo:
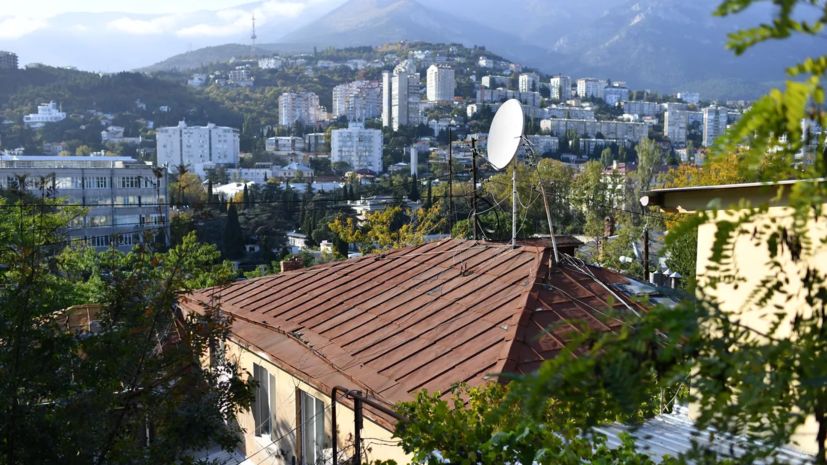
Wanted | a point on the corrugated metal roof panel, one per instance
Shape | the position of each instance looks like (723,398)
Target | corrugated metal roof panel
(419,317)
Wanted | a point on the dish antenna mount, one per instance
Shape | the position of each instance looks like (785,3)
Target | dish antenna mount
(504,140)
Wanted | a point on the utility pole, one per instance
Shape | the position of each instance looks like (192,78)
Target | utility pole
(450,184)
(474,186)
(514,205)
(646,253)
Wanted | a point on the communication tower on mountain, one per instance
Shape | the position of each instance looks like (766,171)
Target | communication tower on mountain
(253,37)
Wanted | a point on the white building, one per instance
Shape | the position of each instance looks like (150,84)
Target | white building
(715,124)
(641,108)
(400,96)
(632,132)
(115,134)
(492,82)
(614,94)
(241,78)
(197,80)
(293,170)
(8,60)
(485,62)
(358,100)
(358,147)
(46,113)
(299,106)
(529,82)
(269,63)
(567,112)
(194,145)
(689,97)
(284,144)
(441,83)
(590,87)
(560,87)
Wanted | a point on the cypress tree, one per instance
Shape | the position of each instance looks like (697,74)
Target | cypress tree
(283,253)
(246,198)
(209,193)
(414,192)
(428,202)
(233,236)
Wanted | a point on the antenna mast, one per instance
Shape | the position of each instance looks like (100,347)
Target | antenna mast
(253,37)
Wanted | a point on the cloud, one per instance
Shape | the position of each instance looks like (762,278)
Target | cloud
(144,27)
(16,27)
(233,21)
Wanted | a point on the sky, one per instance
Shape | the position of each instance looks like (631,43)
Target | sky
(42,9)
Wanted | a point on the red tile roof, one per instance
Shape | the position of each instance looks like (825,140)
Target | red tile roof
(420,317)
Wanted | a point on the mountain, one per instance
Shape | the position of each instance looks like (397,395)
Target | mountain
(219,53)
(375,22)
(664,44)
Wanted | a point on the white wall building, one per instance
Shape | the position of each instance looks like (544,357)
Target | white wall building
(269,63)
(492,82)
(529,82)
(590,87)
(197,80)
(400,96)
(299,106)
(359,147)
(485,62)
(608,129)
(358,100)
(241,77)
(560,87)
(46,113)
(284,144)
(614,94)
(441,83)
(641,108)
(192,145)
(689,97)
(715,124)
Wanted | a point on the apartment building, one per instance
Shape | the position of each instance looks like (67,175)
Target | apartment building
(400,96)
(441,83)
(8,60)
(529,82)
(560,87)
(632,132)
(590,88)
(127,199)
(358,100)
(193,145)
(614,94)
(299,106)
(641,108)
(358,147)
(715,124)
(492,82)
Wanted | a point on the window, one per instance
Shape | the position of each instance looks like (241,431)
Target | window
(264,405)
(312,429)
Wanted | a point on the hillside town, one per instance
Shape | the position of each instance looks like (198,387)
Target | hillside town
(350,256)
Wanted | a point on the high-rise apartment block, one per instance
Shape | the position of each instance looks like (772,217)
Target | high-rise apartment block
(197,145)
(8,60)
(358,100)
(400,96)
(591,88)
(689,97)
(127,200)
(529,82)
(358,147)
(299,106)
(441,83)
(715,123)
(560,87)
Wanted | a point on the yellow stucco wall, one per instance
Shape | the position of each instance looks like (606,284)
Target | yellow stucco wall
(378,443)
(751,260)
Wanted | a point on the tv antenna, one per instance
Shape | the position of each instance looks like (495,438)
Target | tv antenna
(253,37)
(504,139)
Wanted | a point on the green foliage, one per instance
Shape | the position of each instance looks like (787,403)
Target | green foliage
(233,235)
(87,393)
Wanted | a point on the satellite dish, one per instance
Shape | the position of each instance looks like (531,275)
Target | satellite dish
(644,200)
(505,134)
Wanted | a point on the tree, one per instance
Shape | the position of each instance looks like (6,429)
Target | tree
(233,236)
(428,201)
(413,194)
(391,228)
(245,198)
(84,394)
(210,197)
(607,157)
(649,157)
(83,151)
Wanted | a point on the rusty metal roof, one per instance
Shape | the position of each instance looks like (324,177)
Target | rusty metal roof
(421,317)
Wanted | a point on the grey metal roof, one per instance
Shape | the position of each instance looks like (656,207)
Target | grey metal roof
(731,186)
(674,433)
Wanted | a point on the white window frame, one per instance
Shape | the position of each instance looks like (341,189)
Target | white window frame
(264,405)
(312,429)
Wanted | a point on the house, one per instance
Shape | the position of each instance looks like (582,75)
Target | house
(753,258)
(296,241)
(391,325)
